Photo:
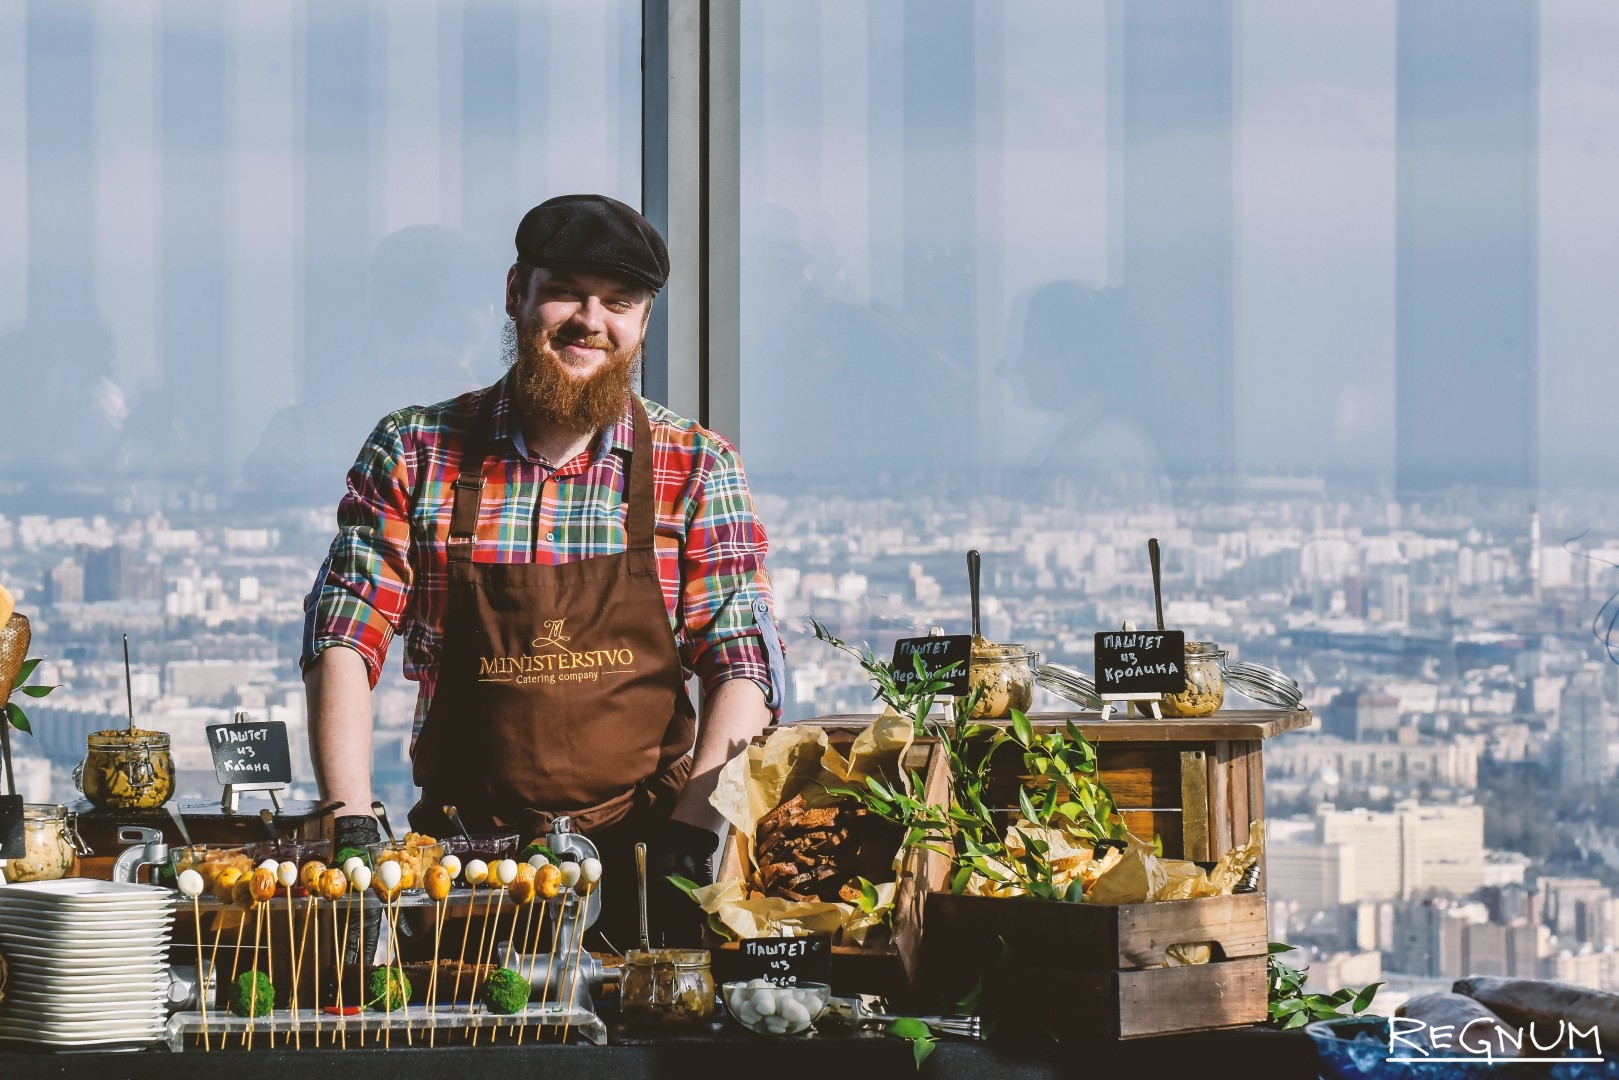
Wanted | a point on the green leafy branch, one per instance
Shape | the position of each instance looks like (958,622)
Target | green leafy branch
(1291,1007)
(912,697)
(1070,799)
(13,712)
(923,1040)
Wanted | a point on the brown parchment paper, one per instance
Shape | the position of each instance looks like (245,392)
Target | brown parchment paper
(799,759)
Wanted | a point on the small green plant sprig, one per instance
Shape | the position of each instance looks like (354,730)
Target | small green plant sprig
(1291,1007)
(13,712)
(913,699)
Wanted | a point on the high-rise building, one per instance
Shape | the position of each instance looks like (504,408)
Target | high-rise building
(1583,731)
(64,583)
(119,572)
(1442,848)
(1466,243)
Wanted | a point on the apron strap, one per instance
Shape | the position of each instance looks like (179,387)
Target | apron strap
(641,518)
(469,485)
(641,497)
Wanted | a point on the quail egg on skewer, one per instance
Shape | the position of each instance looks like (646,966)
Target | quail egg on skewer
(451,865)
(437,881)
(506,871)
(287,874)
(333,884)
(477,872)
(190,883)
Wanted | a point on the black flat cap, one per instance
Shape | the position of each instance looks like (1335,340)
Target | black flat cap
(593,232)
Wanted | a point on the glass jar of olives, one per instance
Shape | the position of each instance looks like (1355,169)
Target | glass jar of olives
(127,769)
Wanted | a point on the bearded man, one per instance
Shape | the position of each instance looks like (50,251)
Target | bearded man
(560,556)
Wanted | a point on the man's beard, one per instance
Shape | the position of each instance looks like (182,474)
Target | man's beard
(545,390)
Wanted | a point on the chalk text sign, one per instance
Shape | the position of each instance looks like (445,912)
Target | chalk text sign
(937,653)
(786,961)
(251,753)
(1140,662)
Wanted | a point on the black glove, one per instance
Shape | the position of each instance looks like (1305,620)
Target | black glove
(684,850)
(681,850)
(359,831)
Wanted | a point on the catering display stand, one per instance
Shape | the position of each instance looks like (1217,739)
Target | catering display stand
(206,821)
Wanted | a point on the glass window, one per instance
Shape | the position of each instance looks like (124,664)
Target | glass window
(1316,294)
(233,237)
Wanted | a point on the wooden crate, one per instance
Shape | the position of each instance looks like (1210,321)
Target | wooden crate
(1088,968)
(885,967)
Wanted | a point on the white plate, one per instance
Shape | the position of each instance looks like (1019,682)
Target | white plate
(20,917)
(86,891)
(135,977)
(46,1037)
(35,1014)
(82,953)
(36,999)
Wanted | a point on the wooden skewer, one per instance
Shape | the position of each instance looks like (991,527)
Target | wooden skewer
(432,980)
(512,941)
(461,960)
(298,964)
(533,958)
(517,953)
(253,993)
(359,955)
(399,965)
(387,996)
(500,899)
(292,958)
(269,963)
(573,954)
(556,937)
(339,947)
(202,973)
(213,952)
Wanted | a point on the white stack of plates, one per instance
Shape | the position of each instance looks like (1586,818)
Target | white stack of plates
(88,962)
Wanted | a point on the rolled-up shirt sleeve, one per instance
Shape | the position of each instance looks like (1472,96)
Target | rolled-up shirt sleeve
(723,573)
(363,588)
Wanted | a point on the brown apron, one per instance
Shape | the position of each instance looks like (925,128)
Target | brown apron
(560,688)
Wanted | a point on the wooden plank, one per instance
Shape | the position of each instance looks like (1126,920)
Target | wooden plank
(1194,805)
(1219,800)
(1256,797)
(1238,724)
(1235,925)
(1198,997)
(1141,777)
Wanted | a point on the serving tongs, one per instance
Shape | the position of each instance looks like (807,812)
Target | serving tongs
(871,1010)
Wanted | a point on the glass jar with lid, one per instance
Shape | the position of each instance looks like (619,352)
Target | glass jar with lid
(1205,682)
(666,989)
(51,835)
(1004,676)
(127,769)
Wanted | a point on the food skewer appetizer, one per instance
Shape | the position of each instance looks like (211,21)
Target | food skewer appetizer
(309,876)
(359,882)
(190,883)
(590,875)
(334,885)
(437,882)
(503,874)
(523,891)
(287,875)
(477,873)
(547,883)
(567,878)
(261,887)
(389,883)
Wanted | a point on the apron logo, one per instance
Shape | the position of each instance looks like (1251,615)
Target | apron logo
(552,661)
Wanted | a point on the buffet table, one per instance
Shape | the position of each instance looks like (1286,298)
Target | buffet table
(724,1052)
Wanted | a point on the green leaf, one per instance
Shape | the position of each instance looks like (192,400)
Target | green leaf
(26,672)
(909,1027)
(1021,725)
(36,691)
(1026,806)
(19,719)
(959,883)
(1363,1000)
(685,885)
(1280,947)
(922,1048)
(868,896)
(1069,810)
(720,929)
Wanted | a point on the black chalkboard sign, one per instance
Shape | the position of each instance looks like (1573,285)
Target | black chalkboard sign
(251,753)
(937,653)
(785,961)
(1140,662)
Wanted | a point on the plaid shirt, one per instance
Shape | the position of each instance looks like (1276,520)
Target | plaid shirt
(387,571)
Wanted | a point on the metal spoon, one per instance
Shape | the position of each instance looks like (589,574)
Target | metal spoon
(180,822)
(382,815)
(640,884)
(455,819)
(129,685)
(973,565)
(1156,556)
(269,823)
